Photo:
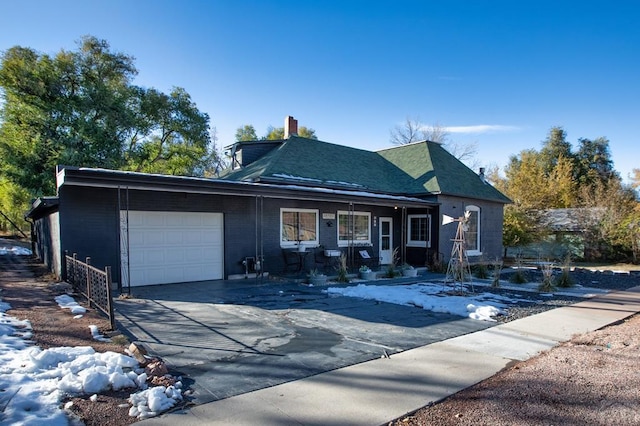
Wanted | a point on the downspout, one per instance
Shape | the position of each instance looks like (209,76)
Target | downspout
(403,236)
(123,234)
(351,226)
(259,230)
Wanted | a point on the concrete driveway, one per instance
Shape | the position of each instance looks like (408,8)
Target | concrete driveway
(231,337)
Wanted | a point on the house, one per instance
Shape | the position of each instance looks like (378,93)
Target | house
(565,232)
(282,198)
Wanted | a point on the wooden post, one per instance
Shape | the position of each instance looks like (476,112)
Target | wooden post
(88,262)
(65,267)
(112,317)
(75,270)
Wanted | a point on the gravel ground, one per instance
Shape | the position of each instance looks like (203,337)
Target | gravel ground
(591,380)
(580,277)
(580,378)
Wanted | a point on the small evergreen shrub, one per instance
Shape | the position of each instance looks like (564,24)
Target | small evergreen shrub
(519,277)
(391,272)
(480,271)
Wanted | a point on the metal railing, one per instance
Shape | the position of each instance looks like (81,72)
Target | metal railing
(92,283)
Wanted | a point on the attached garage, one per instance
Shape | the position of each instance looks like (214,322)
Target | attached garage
(161,247)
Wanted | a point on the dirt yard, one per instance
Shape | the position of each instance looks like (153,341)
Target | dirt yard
(591,380)
(27,287)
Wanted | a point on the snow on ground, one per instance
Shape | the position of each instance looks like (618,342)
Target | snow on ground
(67,302)
(33,382)
(431,297)
(20,251)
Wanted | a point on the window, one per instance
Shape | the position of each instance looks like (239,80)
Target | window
(298,225)
(472,231)
(356,232)
(419,230)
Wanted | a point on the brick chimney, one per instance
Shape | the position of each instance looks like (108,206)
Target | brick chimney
(290,127)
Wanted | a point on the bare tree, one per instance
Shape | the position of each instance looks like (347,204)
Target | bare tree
(413,130)
(436,133)
(407,132)
(465,153)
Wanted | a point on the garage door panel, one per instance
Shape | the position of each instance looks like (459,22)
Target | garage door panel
(155,257)
(151,219)
(194,237)
(153,237)
(169,247)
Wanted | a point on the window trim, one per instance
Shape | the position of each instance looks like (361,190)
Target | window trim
(477,251)
(345,243)
(293,244)
(419,243)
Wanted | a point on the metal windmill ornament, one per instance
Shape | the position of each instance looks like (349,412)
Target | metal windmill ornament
(458,269)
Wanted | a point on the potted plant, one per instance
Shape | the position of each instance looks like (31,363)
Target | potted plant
(408,270)
(366,273)
(317,278)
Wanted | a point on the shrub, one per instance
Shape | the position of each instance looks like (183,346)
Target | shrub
(437,265)
(547,279)
(565,280)
(342,270)
(495,278)
(391,272)
(480,271)
(519,277)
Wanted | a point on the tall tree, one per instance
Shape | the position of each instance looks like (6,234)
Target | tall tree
(555,177)
(412,130)
(594,162)
(80,108)
(526,182)
(610,217)
(13,200)
(246,133)
(554,147)
(172,135)
(635,179)
(277,133)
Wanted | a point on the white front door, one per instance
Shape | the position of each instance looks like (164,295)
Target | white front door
(386,240)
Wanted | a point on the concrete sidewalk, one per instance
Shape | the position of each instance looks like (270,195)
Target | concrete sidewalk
(378,391)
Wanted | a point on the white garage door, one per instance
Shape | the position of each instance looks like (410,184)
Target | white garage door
(171,247)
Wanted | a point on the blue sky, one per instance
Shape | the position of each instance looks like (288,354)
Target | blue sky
(499,74)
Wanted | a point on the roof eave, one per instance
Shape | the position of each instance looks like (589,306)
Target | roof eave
(142,181)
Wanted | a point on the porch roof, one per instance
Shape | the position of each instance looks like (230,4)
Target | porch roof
(104,178)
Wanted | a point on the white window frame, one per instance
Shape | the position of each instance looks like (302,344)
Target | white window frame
(418,243)
(345,243)
(476,251)
(306,243)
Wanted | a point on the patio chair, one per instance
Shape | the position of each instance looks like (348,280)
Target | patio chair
(291,259)
(365,258)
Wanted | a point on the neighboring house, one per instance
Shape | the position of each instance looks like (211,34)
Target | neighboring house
(277,196)
(566,233)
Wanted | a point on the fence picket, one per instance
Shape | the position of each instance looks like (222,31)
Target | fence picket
(92,283)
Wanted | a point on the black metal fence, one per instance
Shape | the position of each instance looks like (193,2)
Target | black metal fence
(92,283)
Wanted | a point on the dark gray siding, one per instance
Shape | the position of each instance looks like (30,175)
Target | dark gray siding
(491,217)
(46,231)
(89,226)
(252,151)
(89,219)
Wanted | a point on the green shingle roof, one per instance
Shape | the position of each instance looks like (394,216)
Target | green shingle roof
(404,170)
(438,171)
